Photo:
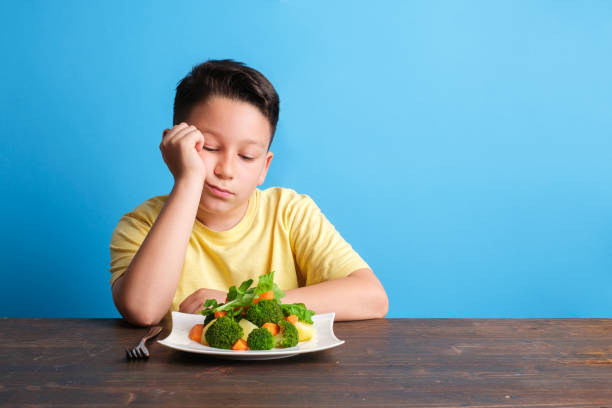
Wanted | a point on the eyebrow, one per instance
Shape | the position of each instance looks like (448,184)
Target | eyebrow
(214,132)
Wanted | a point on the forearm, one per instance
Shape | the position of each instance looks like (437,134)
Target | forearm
(145,291)
(356,297)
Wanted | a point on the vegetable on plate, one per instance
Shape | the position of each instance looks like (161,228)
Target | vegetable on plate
(254,318)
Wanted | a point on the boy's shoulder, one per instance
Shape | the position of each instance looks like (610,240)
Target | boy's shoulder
(149,209)
(283,197)
(277,193)
(287,204)
(152,204)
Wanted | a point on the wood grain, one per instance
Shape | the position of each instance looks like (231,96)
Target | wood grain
(384,363)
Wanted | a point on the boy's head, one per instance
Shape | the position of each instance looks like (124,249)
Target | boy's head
(229,79)
(236,110)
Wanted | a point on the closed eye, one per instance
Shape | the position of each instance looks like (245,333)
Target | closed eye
(247,158)
(210,149)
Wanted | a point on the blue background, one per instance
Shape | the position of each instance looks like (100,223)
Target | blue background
(464,148)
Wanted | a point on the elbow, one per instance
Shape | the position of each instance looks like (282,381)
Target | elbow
(142,319)
(376,305)
(140,315)
(137,313)
(381,303)
(133,309)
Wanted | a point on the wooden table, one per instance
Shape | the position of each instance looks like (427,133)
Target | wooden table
(384,363)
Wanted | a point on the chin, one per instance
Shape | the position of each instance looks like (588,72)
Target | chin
(217,206)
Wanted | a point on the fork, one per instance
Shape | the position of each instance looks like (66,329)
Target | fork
(141,351)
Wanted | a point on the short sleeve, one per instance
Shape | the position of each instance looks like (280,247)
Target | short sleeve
(129,234)
(321,254)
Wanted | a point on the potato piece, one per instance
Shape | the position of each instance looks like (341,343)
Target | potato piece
(203,341)
(247,327)
(305,331)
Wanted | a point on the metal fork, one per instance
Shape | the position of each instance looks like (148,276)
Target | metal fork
(141,351)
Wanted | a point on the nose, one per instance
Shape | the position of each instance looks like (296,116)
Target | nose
(224,168)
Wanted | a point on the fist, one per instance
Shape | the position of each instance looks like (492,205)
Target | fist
(180,147)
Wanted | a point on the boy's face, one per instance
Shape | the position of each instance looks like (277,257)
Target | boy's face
(235,154)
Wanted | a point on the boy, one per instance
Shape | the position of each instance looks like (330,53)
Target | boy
(216,229)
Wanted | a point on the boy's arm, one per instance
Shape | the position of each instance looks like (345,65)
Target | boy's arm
(357,296)
(145,291)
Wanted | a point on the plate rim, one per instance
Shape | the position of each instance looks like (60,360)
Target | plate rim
(255,354)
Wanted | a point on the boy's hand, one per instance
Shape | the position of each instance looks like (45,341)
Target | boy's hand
(195,302)
(180,148)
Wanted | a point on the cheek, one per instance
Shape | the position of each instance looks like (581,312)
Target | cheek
(207,159)
(255,173)
(247,175)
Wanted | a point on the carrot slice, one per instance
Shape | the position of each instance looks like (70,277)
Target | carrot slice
(240,344)
(265,295)
(272,328)
(195,333)
(292,319)
(220,313)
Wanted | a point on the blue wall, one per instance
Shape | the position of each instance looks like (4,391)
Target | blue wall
(464,148)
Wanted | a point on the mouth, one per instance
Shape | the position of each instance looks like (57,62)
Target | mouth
(218,191)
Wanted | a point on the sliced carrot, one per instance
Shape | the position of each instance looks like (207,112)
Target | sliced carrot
(240,344)
(292,319)
(272,327)
(195,333)
(220,313)
(265,295)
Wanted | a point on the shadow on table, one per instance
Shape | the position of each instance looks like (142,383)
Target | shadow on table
(191,359)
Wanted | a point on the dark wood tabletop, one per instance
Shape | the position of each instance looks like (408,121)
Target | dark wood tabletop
(384,363)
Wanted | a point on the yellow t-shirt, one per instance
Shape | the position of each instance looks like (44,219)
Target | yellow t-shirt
(282,231)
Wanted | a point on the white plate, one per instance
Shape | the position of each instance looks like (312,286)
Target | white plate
(183,322)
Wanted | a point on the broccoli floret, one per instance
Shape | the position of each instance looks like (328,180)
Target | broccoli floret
(288,336)
(266,311)
(223,333)
(260,339)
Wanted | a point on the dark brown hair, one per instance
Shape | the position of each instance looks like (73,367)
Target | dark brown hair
(230,79)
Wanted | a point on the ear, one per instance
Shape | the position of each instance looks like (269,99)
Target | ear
(264,171)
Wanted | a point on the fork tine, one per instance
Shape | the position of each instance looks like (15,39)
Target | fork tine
(141,351)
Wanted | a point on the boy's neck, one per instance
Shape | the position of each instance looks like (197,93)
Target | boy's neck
(222,222)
